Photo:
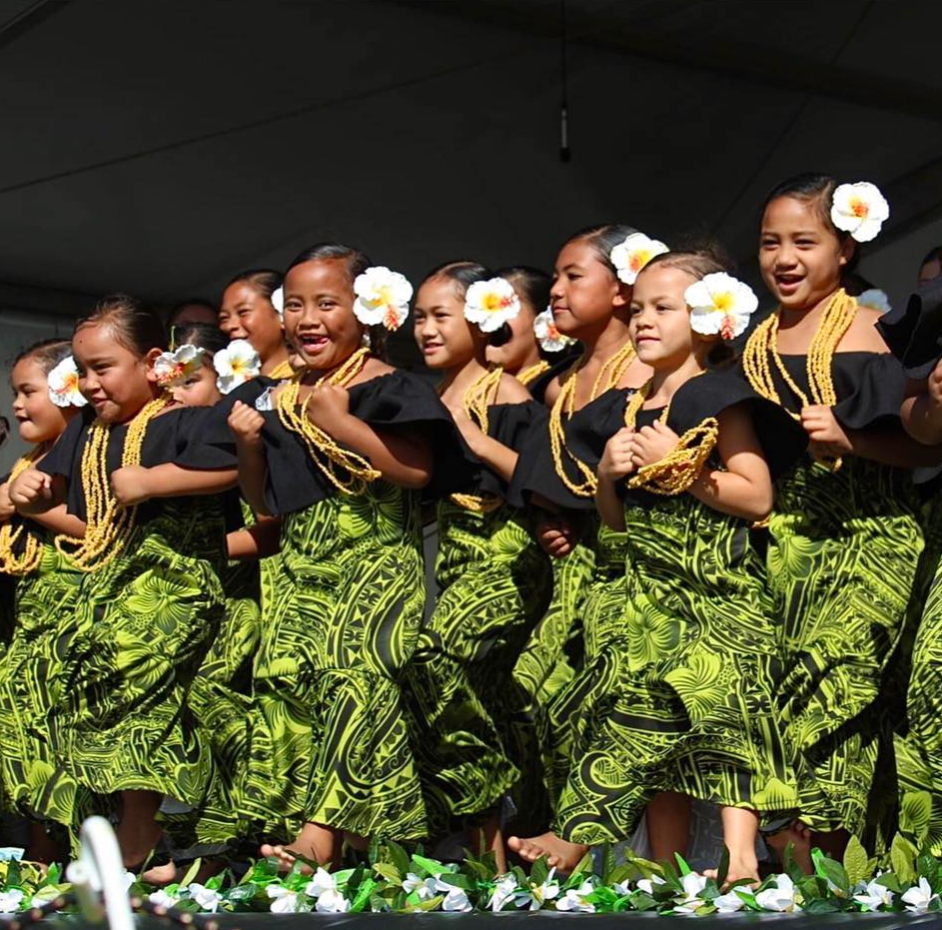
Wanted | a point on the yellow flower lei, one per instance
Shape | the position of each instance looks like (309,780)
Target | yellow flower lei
(763,345)
(326,454)
(28,561)
(281,371)
(678,470)
(609,375)
(109,524)
(476,400)
(532,372)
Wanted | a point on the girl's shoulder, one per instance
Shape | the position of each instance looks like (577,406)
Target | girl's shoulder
(511,391)
(863,335)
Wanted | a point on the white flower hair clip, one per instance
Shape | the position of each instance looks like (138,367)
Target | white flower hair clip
(278,301)
(235,365)
(630,256)
(173,368)
(548,336)
(382,297)
(63,383)
(859,209)
(490,304)
(720,304)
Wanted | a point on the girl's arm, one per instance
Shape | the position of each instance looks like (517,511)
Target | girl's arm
(498,457)
(744,489)
(614,466)
(34,492)
(60,522)
(255,542)
(922,410)
(246,425)
(403,459)
(134,484)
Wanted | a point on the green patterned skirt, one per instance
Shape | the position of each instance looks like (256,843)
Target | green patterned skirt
(141,630)
(330,743)
(842,560)
(494,583)
(33,783)
(677,689)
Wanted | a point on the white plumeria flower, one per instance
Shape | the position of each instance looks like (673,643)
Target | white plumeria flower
(420,886)
(504,891)
(548,891)
(332,902)
(693,885)
(874,896)
(321,882)
(63,383)
(490,304)
(729,903)
(283,901)
(859,209)
(173,368)
(720,304)
(382,298)
(780,897)
(236,364)
(10,901)
(647,884)
(162,899)
(630,257)
(278,301)
(207,898)
(574,900)
(456,899)
(129,879)
(548,336)
(919,897)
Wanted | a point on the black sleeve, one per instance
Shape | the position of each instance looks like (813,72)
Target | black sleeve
(872,386)
(511,425)
(914,332)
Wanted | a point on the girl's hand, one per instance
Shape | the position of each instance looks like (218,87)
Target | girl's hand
(616,462)
(31,487)
(934,386)
(556,537)
(129,485)
(6,505)
(327,405)
(828,438)
(653,443)
(469,430)
(246,423)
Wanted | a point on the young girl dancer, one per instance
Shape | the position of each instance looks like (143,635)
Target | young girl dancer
(589,303)
(45,399)
(339,453)
(844,537)
(687,706)
(249,311)
(493,578)
(134,468)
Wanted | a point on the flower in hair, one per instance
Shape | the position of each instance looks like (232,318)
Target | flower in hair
(235,365)
(63,383)
(278,301)
(490,304)
(173,368)
(382,298)
(630,256)
(548,336)
(859,209)
(720,304)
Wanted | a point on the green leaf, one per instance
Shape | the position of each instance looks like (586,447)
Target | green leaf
(540,871)
(192,872)
(642,901)
(832,872)
(608,863)
(432,904)
(790,866)
(362,898)
(889,881)
(389,872)
(399,856)
(723,869)
(682,864)
(456,880)
(820,906)
(902,856)
(431,866)
(856,862)
(928,867)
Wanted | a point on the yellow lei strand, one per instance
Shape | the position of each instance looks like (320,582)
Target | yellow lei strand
(609,375)
(476,400)
(532,372)
(763,346)
(109,525)
(28,561)
(678,470)
(281,371)
(326,454)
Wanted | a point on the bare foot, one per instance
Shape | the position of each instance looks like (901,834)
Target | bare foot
(286,858)
(161,875)
(800,837)
(559,853)
(740,867)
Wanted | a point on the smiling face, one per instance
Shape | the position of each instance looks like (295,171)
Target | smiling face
(199,390)
(38,418)
(659,325)
(116,381)
(246,314)
(585,292)
(444,337)
(319,319)
(800,255)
